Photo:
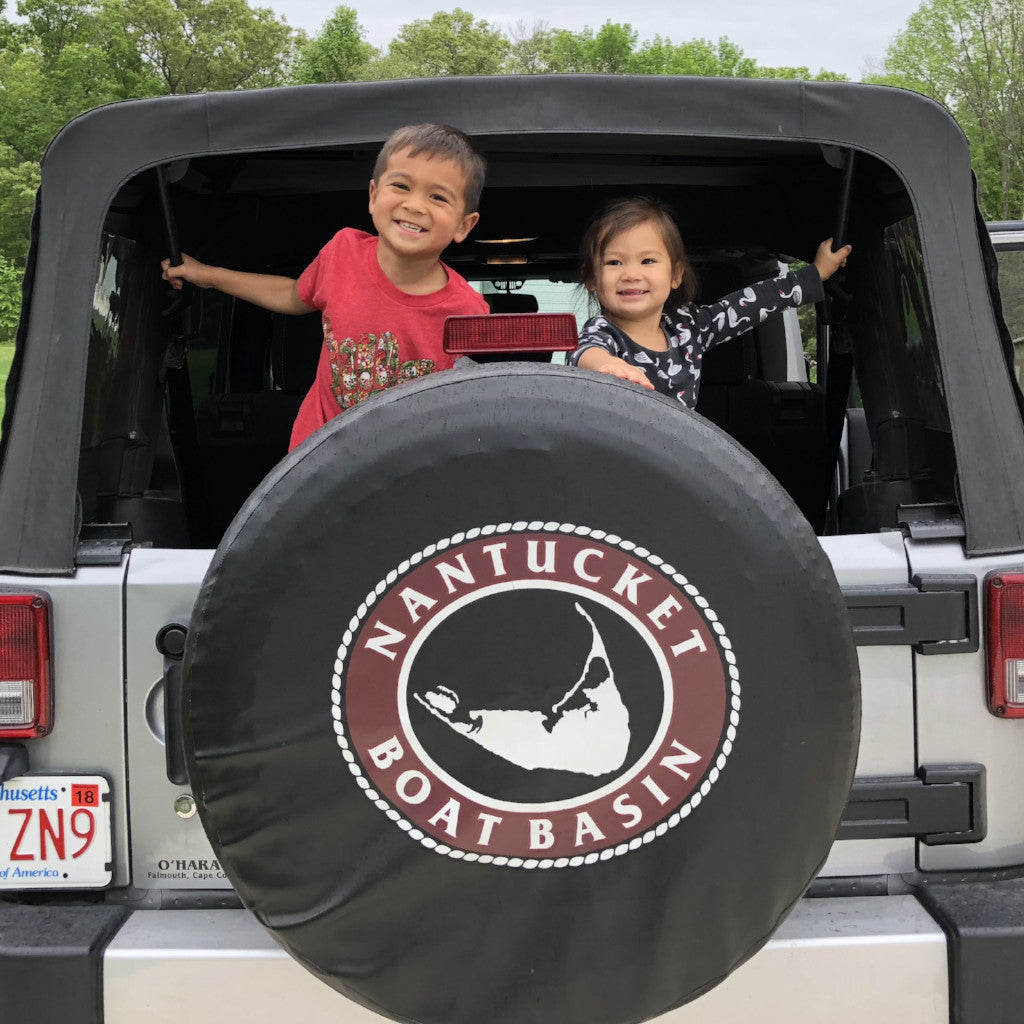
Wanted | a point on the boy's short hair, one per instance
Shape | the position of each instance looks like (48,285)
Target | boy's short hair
(440,140)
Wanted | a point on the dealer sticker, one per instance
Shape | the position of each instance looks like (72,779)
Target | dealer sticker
(55,832)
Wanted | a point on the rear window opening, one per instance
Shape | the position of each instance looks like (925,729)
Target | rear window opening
(190,404)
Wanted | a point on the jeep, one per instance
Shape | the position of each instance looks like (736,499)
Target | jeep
(516,693)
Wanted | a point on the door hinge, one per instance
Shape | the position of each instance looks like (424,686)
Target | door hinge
(935,521)
(102,543)
(941,804)
(934,614)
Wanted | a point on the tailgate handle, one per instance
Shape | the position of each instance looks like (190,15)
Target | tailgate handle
(170,642)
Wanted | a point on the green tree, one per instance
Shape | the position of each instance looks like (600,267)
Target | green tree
(19,180)
(206,45)
(449,43)
(530,49)
(609,50)
(56,64)
(613,49)
(803,74)
(68,56)
(63,61)
(10,298)
(695,57)
(969,56)
(339,53)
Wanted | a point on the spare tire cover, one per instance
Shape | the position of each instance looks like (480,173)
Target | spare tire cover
(520,695)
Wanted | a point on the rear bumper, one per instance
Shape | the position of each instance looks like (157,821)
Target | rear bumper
(847,960)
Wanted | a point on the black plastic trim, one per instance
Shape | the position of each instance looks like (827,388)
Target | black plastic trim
(984,924)
(940,805)
(13,761)
(103,543)
(931,522)
(848,885)
(51,961)
(935,614)
(207,899)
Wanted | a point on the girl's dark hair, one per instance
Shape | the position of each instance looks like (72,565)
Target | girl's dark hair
(438,140)
(622,214)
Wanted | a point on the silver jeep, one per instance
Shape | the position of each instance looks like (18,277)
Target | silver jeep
(515,694)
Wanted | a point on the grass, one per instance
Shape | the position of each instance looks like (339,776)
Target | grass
(6,357)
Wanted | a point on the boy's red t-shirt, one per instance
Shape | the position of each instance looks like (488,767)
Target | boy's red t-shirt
(375,335)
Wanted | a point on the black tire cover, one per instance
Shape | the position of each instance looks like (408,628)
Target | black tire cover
(520,695)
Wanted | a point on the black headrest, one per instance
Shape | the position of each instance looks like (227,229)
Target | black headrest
(732,362)
(512,302)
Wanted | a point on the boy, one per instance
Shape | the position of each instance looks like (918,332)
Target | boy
(384,298)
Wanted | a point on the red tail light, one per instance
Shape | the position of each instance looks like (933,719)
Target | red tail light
(26,693)
(510,332)
(1004,628)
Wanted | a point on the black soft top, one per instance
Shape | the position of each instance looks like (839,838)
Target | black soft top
(97,153)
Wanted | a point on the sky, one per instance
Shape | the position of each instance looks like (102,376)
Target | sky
(850,38)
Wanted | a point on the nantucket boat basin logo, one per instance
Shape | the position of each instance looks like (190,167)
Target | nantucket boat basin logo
(535,695)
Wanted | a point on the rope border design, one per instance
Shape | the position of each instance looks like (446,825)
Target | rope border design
(429,842)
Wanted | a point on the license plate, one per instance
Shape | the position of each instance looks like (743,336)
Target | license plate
(55,832)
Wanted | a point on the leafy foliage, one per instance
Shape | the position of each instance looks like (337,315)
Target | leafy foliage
(63,60)
(19,180)
(205,45)
(449,43)
(10,299)
(613,49)
(338,54)
(6,358)
(968,55)
(68,56)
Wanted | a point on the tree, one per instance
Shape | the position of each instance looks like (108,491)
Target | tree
(204,45)
(68,56)
(10,299)
(19,180)
(613,49)
(449,43)
(56,64)
(969,56)
(338,54)
(530,49)
(695,57)
(800,74)
(609,50)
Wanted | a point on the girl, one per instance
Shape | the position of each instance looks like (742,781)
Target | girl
(650,331)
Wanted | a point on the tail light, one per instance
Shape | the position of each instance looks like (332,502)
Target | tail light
(510,332)
(1004,627)
(26,691)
